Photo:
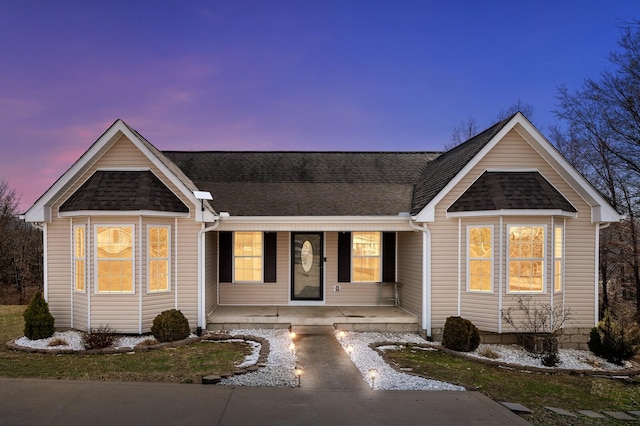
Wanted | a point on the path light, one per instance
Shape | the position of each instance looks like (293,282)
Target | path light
(373,373)
(292,347)
(298,373)
(350,349)
(341,335)
(292,335)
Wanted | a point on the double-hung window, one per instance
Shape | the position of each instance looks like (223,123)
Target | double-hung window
(480,258)
(367,250)
(158,241)
(79,258)
(247,256)
(114,258)
(526,258)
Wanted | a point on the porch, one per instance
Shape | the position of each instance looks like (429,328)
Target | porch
(306,318)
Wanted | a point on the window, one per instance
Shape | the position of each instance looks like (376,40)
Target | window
(247,256)
(114,259)
(480,258)
(79,258)
(558,258)
(158,257)
(526,259)
(366,252)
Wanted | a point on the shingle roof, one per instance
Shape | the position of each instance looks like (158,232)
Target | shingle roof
(124,190)
(442,170)
(509,191)
(305,183)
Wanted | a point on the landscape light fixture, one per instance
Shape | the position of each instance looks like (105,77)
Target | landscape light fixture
(202,195)
(297,371)
(292,335)
(350,349)
(373,373)
(341,335)
(292,347)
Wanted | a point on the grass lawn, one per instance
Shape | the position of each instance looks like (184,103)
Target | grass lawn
(185,364)
(533,390)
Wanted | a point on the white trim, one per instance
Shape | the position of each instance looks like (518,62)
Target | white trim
(175,263)
(460,264)
(317,223)
(119,213)
(90,279)
(140,282)
(514,212)
(133,257)
(468,259)
(202,306)
(307,302)
(148,258)
(597,277)
(501,271)
(73,268)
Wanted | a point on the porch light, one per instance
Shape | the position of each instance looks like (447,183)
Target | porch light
(297,371)
(373,373)
(350,349)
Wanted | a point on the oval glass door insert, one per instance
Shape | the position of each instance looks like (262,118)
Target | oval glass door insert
(306,256)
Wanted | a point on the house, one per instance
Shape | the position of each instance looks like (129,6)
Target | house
(130,231)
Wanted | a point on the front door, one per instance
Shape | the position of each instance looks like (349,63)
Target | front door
(306,266)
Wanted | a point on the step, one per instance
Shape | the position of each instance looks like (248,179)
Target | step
(313,329)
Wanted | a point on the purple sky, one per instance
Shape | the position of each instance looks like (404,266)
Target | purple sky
(281,75)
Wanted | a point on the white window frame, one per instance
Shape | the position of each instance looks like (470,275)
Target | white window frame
(77,259)
(132,258)
(378,256)
(543,259)
(491,260)
(233,252)
(558,272)
(167,259)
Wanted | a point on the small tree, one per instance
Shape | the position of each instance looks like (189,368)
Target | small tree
(38,321)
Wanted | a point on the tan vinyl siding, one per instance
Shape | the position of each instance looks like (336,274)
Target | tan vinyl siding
(211,271)
(512,152)
(263,293)
(59,272)
(121,311)
(409,271)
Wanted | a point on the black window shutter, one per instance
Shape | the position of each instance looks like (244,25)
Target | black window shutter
(270,256)
(225,268)
(344,257)
(388,257)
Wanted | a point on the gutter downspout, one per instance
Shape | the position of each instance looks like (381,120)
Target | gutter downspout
(202,317)
(426,275)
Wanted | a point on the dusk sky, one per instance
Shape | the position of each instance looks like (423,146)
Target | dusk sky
(282,75)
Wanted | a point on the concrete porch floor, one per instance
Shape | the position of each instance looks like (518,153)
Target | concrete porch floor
(301,318)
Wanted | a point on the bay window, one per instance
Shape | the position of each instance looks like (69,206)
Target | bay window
(114,258)
(480,258)
(526,259)
(79,258)
(158,242)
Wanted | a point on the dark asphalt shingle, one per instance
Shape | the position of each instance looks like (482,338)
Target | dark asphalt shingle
(511,191)
(122,191)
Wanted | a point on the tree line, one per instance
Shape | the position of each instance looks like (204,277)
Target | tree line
(21,267)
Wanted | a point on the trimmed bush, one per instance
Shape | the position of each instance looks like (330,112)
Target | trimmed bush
(38,321)
(460,335)
(99,338)
(615,341)
(170,325)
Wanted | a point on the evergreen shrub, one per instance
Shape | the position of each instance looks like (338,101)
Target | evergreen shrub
(460,335)
(170,325)
(38,321)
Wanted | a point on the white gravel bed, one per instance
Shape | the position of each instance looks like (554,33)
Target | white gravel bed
(280,363)
(387,378)
(572,359)
(74,341)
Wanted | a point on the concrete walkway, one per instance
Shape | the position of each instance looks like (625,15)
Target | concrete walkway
(60,402)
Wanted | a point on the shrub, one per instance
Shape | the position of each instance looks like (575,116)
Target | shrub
(550,357)
(460,335)
(170,325)
(38,321)
(615,340)
(99,338)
